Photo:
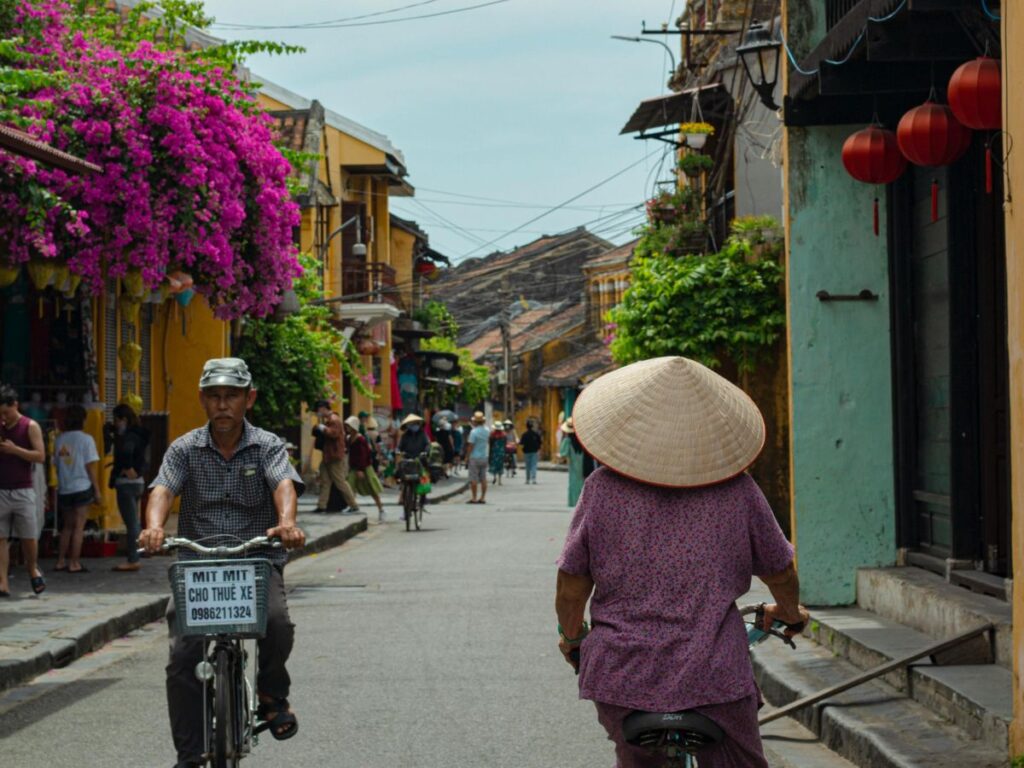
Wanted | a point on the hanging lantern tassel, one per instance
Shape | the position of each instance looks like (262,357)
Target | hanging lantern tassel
(988,169)
(875,215)
(935,200)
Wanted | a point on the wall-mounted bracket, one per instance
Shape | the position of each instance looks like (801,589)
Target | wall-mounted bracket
(864,295)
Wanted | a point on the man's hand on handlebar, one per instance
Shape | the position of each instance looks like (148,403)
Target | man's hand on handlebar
(291,536)
(151,539)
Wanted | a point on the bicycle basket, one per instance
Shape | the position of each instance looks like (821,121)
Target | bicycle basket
(410,469)
(220,597)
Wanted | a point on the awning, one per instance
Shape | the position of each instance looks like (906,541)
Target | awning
(715,103)
(21,143)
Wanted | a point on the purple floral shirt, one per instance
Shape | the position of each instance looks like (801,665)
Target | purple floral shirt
(668,566)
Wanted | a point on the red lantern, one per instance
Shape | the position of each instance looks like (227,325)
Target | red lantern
(975,96)
(425,266)
(872,155)
(930,135)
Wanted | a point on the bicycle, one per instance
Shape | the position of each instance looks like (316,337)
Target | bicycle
(224,601)
(679,736)
(410,472)
(510,460)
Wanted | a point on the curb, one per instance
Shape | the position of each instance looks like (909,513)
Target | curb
(450,495)
(76,640)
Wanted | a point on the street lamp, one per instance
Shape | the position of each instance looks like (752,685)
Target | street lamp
(760,56)
(358,249)
(671,55)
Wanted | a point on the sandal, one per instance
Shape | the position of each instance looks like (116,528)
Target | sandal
(79,569)
(126,567)
(4,593)
(38,584)
(283,725)
(60,567)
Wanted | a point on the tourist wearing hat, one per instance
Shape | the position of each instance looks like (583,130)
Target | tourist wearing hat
(414,441)
(581,464)
(235,483)
(334,464)
(477,444)
(680,529)
(362,478)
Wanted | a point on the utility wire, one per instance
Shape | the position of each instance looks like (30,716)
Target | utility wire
(328,25)
(561,205)
(315,24)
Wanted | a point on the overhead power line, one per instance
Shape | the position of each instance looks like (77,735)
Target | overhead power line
(344,24)
(561,205)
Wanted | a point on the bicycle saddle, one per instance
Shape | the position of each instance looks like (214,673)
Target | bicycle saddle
(687,729)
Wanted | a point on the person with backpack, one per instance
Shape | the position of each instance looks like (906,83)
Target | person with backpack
(130,445)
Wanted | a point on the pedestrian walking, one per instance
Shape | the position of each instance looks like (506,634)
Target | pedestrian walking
(458,441)
(362,477)
(78,486)
(497,454)
(581,464)
(334,466)
(129,442)
(678,526)
(235,483)
(476,458)
(21,446)
(373,437)
(511,446)
(445,438)
(530,443)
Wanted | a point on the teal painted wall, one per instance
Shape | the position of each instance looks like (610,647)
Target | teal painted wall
(842,434)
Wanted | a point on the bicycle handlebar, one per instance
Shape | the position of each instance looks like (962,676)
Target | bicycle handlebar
(758,609)
(175,542)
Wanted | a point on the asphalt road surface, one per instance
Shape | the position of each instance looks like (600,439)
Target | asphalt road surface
(430,649)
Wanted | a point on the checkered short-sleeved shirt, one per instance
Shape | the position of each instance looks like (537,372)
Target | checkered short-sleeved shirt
(224,500)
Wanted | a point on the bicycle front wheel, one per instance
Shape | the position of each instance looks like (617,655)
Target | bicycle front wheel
(408,500)
(225,710)
(420,503)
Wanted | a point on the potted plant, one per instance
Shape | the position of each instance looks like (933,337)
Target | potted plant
(694,164)
(696,133)
(661,208)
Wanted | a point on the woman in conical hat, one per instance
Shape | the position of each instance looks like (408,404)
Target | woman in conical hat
(664,540)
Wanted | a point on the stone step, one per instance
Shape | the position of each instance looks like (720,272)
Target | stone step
(787,744)
(976,697)
(873,725)
(926,602)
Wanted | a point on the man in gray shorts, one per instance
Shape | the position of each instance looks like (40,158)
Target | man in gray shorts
(21,446)
(476,458)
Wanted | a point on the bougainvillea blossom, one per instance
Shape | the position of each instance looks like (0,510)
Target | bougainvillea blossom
(191,179)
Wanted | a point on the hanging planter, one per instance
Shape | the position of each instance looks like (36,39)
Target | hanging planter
(694,164)
(8,274)
(130,355)
(367,347)
(129,309)
(696,134)
(929,135)
(133,401)
(184,298)
(69,289)
(872,156)
(41,272)
(976,99)
(133,284)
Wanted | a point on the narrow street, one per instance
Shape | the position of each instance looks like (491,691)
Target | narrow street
(414,649)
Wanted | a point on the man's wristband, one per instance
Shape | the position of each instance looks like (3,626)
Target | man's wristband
(583,633)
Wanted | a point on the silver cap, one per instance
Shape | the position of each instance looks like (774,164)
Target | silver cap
(225,372)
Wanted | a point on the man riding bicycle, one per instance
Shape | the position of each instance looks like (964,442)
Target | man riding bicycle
(235,482)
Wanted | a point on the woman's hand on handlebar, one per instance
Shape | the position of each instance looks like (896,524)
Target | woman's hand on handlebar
(794,623)
(291,536)
(151,540)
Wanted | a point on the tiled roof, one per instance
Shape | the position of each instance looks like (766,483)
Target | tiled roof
(290,127)
(546,270)
(490,342)
(557,324)
(616,256)
(573,371)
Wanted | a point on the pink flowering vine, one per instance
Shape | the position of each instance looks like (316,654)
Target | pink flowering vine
(190,177)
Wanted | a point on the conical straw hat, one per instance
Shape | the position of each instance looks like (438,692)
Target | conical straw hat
(671,422)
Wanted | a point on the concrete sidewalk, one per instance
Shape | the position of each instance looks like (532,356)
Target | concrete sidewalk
(81,612)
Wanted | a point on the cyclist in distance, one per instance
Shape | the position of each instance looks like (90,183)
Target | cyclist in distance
(663,542)
(235,483)
(414,441)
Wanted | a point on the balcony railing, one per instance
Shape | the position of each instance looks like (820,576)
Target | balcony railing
(370,283)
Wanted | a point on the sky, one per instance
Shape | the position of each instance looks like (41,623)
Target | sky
(519,102)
